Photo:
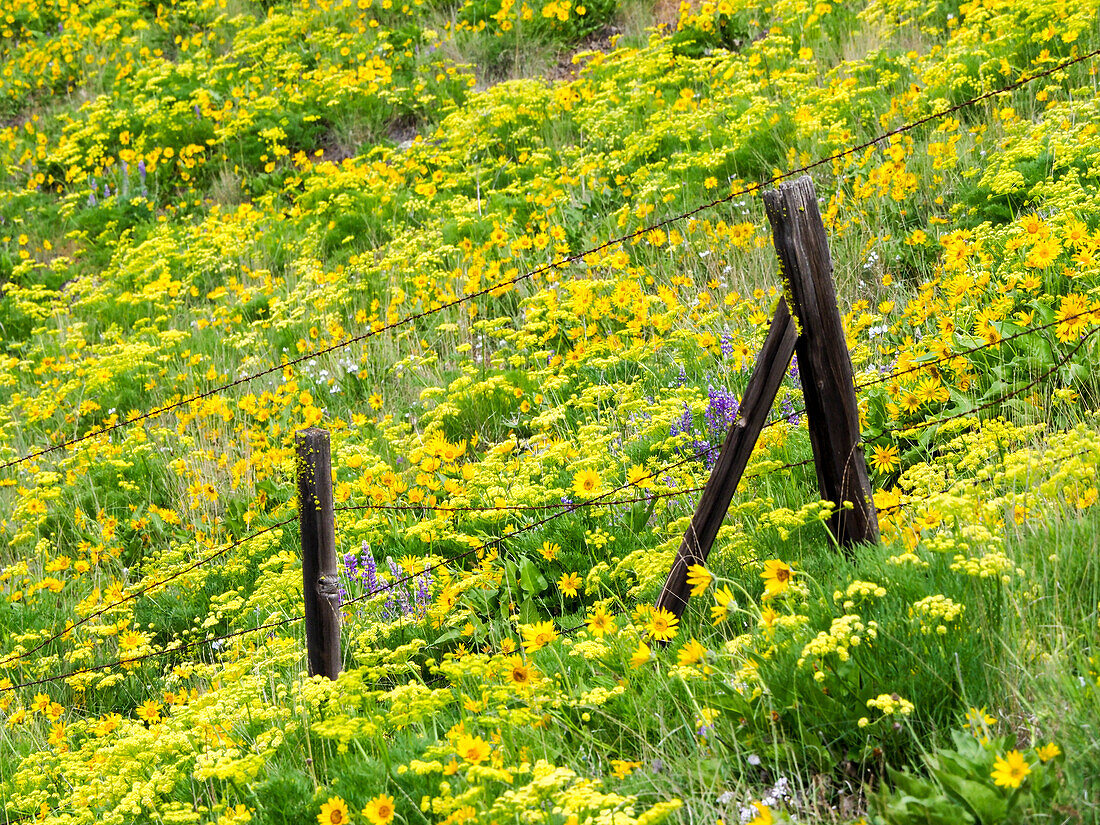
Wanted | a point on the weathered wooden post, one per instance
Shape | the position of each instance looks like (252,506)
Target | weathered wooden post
(824,365)
(767,375)
(321,584)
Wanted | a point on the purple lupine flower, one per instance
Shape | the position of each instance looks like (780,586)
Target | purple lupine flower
(786,409)
(721,411)
(794,366)
(682,378)
(424,590)
(371,569)
(399,590)
(727,345)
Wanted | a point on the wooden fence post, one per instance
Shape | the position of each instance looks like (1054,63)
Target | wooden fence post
(767,375)
(321,584)
(824,364)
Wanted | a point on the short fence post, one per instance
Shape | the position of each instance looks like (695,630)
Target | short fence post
(321,584)
(824,364)
(767,376)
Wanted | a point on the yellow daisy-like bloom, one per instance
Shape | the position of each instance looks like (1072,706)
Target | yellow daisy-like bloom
(586,483)
(568,584)
(538,635)
(724,601)
(699,579)
(519,673)
(380,810)
(641,655)
(600,623)
(1073,317)
(662,625)
(1047,752)
(1010,770)
(692,653)
(549,550)
(884,459)
(149,711)
(777,577)
(334,812)
(473,749)
(639,476)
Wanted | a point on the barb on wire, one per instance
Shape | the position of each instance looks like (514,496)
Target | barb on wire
(556,264)
(147,588)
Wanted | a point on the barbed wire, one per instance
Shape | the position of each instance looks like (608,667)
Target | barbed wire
(130,597)
(1000,399)
(972,482)
(167,651)
(557,264)
(969,351)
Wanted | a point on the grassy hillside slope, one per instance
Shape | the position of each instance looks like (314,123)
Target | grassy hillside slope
(224,221)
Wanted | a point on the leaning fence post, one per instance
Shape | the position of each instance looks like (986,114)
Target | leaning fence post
(764,383)
(321,584)
(824,364)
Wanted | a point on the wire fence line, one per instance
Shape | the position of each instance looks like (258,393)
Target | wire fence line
(171,649)
(561,507)
(559,263)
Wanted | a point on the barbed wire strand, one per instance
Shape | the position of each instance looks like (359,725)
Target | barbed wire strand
(127,660)
(1000,399)
(147,588)
(560,262)
(970,351)
(972,482)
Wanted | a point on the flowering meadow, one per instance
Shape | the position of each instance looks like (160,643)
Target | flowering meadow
(511,254)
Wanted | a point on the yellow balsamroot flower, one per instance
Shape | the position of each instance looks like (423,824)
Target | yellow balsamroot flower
(692,653)
(549,550)
(149,711)
(699,579)
(724,601)
(380,810)
(662,625)
(1047,752)
(473,749)
(568,584)
(600,623)
(586,483)
(777,577)
(538,635)
(763,815)
(519,673)
(641,655)
(1010,770)
(334,812)
(884,459)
